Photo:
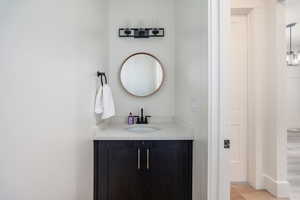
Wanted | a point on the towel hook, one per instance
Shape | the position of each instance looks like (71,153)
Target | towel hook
(101,74)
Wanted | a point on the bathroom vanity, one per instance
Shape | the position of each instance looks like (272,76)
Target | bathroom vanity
(139,161)
(134,166)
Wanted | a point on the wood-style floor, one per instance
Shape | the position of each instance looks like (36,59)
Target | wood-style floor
(293,158)
(246,192)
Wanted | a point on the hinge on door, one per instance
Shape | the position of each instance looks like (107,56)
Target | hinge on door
(226,144)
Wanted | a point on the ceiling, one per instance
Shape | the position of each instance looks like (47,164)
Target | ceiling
(293,15)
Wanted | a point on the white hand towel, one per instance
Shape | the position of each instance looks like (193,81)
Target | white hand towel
(99,101)
(108,102)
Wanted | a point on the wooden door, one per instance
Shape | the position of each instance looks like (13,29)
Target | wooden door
(236,94)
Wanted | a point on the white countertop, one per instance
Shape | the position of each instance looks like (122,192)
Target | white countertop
(167,131)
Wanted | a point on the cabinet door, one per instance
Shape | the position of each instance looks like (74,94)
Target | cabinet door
(118,175)
(168,170)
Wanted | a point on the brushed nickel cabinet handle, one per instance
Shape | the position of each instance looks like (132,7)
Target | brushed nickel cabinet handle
(148,159)
(139,159)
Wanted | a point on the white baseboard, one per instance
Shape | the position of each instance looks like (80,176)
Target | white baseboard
(279,189)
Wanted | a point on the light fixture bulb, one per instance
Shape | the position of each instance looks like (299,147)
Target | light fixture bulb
(292,59)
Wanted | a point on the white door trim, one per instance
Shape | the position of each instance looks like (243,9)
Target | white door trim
(218,34)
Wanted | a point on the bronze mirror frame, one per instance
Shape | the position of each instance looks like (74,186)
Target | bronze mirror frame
(162,69)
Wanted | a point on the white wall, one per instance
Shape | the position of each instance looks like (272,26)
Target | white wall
(247,4)
(293,94)
(191,86)
(293,97)
(142,13)
(49,53)
(292,16)
(275,143)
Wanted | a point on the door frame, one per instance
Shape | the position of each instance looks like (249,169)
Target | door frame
(218,60)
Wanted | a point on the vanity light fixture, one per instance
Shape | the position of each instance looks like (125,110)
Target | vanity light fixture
(141,32)
(292,58)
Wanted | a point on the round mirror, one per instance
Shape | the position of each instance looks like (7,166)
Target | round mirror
(141,74)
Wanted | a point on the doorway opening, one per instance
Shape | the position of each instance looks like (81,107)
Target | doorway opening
(244,96)
(265,146)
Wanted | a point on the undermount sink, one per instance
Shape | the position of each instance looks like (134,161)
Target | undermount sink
(142,129)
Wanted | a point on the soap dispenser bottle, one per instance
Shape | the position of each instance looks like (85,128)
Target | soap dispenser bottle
(130,119)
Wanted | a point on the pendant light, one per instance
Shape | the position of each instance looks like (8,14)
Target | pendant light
(292,58)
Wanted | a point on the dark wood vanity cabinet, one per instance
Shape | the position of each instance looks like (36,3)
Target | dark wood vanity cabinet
(143,170)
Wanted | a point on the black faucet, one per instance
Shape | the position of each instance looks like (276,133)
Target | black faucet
(141,119)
